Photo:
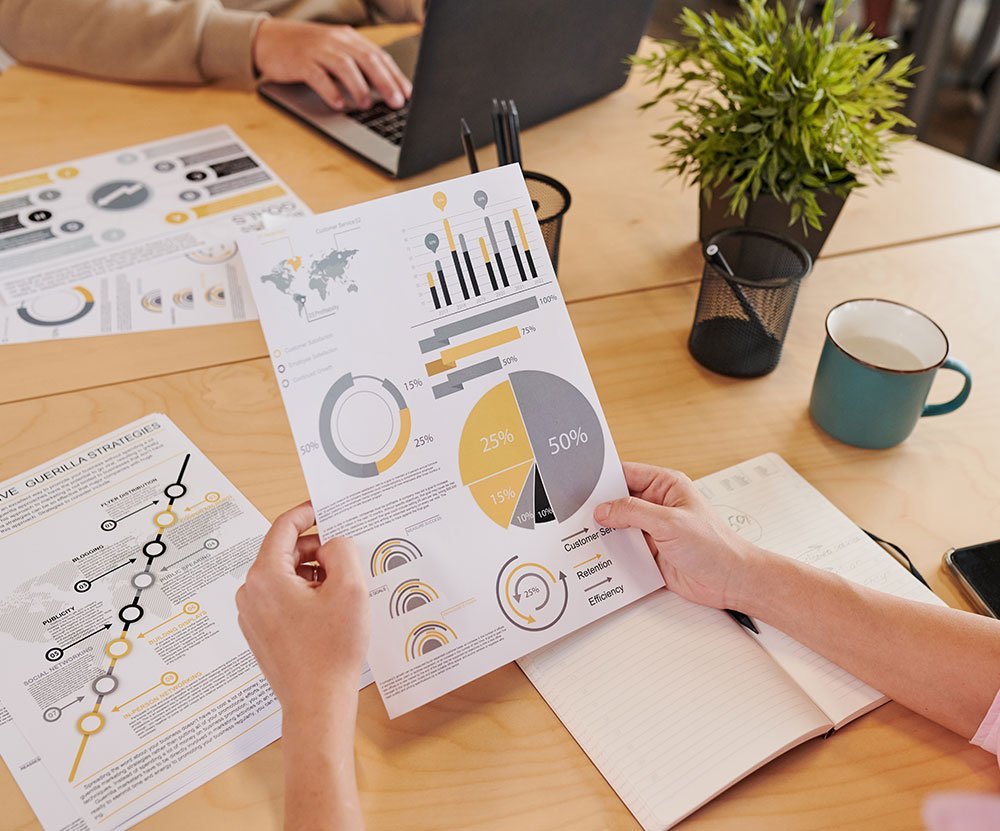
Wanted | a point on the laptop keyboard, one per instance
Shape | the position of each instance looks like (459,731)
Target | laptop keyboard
(384,120)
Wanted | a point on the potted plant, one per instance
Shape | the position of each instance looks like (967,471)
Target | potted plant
(778,118)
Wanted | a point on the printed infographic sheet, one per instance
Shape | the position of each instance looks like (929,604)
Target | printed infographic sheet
(127,682)
(145,237)
(446,420)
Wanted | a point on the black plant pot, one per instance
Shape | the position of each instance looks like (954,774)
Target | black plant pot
(767,213)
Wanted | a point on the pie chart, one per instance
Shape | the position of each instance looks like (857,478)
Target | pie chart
(531,450)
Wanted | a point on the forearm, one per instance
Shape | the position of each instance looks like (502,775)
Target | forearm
(940,662)
(133,40)
(321,791)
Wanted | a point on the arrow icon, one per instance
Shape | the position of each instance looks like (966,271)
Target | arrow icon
(118,193)
(598,583)
(143,508)
(209,545)
(189,608)
(595,557)
(52,713)
(168,679)
(161,623)
(106,573)
(574,534)
(82,586)
(96,631)
(210,497)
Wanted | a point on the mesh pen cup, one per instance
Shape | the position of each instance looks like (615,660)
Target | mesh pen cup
(742,317)
(551,201)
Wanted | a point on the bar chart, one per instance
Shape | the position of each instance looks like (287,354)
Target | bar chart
(453,347)
(490,250)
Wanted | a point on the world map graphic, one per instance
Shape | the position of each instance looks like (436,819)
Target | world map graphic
(316,278)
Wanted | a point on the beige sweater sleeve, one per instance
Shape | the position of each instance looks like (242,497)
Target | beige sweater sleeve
(180,41)
(399,11)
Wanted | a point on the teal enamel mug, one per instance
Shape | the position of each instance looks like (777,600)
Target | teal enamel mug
(875,372)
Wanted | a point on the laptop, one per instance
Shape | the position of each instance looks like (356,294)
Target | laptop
(550,56)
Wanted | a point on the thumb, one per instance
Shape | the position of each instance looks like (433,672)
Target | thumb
(631,512)
(340,560)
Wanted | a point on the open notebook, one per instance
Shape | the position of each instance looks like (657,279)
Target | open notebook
(676,702)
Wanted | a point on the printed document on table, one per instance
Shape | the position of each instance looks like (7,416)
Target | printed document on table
(127,682)
(145,237)
(446,420)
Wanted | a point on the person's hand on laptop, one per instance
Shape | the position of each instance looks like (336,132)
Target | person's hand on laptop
(322,56)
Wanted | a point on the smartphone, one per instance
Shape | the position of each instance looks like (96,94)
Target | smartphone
(977,571)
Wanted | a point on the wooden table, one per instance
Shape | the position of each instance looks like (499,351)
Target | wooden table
(629,228)
(492,755)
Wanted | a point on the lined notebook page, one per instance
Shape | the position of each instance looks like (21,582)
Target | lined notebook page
(672,702)
(766,501)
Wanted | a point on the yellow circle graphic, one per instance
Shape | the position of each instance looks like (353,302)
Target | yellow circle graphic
(118,648)
(90,723)
(164,519)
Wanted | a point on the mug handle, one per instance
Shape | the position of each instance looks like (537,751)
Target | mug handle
(958,400)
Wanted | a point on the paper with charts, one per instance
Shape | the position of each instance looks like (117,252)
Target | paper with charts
(141,238)
(447,421)
(126,678)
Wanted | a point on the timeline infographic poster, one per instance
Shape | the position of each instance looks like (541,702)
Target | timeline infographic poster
(141,238)
(126,681)
(446,420)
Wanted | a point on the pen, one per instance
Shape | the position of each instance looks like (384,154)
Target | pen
(715,256)
(470,151)
(505,131)
(515,132)
(743,620)
(498,134)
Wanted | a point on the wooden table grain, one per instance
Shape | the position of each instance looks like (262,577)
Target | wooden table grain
(630,227)
(492,755)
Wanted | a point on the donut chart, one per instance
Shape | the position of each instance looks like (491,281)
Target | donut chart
(364,425)
(214,254)
(531,451)
(530,595)
(56,308)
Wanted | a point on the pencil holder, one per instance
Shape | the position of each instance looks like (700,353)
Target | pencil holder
(742,317)
(551,200)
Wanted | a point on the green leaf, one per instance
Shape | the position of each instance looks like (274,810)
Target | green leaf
(771,103)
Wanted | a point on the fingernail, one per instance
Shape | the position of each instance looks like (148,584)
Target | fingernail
(602,511)
(397,100)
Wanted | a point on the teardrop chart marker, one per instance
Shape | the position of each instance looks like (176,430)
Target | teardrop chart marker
(432,241)
(481,198)
(440,200)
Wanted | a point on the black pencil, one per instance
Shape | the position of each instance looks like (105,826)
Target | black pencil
(498,137)
(515,132)
(470,150)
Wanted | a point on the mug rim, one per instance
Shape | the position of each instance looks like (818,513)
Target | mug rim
(862,361)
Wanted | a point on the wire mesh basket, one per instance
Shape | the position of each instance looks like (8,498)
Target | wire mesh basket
(748,290)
